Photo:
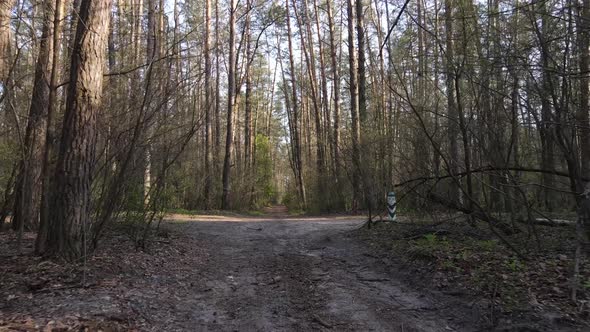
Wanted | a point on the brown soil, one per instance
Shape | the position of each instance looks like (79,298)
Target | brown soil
(217,273)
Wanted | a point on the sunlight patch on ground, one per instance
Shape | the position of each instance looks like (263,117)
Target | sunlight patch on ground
(209,218)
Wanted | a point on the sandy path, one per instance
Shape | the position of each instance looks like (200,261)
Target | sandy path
(279,273)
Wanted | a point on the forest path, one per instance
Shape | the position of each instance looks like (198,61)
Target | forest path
(282,273)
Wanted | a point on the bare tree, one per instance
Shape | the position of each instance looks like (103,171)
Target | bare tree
(28,190)
(583,113)
(336,91)
(225,198)
(295,134)
(208,109)
(453,117)
(354,109)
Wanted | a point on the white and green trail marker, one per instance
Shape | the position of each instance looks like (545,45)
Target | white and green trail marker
(391,206)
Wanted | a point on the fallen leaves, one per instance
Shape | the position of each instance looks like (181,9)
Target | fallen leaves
(41,295)
(485,268)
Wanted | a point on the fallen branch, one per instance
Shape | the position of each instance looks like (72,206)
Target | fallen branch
(486,169)
(423,233)
(505,228)
(549,222)
(494,223)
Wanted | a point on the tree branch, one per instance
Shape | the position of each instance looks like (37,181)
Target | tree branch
(486,169)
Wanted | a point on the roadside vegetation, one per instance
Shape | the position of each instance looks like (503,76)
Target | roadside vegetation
(465,259)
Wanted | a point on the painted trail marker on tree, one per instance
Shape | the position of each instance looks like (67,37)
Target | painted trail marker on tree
(391,206)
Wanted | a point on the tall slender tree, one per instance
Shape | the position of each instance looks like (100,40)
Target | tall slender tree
(336,90)
(225,198)
(354,108)
(583,114)
(46,170)
(28,191)
(295,133)
(453,118)
(208,109)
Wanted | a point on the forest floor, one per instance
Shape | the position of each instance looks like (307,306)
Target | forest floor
(269,273)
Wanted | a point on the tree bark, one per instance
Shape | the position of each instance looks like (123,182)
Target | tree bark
(248,121)
(422,152)
(583,114)
(5,39)
(453,132)
(153,48)
(365,175)
(304,22)
(546,130)
(225,198)
(354,109)
(42,234)
(71,208)
(362,78)
(28,190)
(208,109)
(217,154)
(324,85)
(336,90)
(296,137)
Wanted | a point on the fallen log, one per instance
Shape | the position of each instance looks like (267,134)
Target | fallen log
(548,222)
(494,222)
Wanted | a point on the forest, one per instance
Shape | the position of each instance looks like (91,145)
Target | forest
(116,113)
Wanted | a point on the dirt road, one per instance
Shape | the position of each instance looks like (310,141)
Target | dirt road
(220,273)
(279,273)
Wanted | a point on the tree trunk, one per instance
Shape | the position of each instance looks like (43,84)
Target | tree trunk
(453,133)
(336,91)
(296,137)
(28,190)
(362,78)
(7,64)
(151,93)
(248,122)
(421,153)
(5,39)
(208,109)
(324,85)
(305,23)
(42,234)
(225,198)
(582,116)
(325,128)
(546,130)
(217,154)
(436,160)
(70,213)
(364,148)
(354,110)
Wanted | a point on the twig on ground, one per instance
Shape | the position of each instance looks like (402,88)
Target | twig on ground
(322,322)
